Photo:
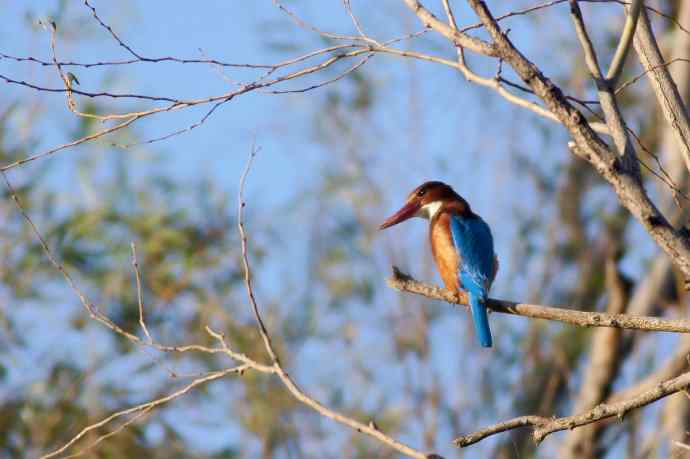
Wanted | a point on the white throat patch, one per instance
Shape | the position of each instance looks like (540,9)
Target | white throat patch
(429,210)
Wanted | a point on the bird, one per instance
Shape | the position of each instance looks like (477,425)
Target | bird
(461,243)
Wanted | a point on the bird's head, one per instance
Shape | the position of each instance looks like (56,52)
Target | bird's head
(424,201)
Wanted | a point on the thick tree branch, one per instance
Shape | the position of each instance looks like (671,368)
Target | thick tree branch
(542,427)
(405,283)
(622,175)
(665,89)
(589,146)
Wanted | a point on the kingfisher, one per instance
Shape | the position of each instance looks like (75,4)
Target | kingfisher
(461,244)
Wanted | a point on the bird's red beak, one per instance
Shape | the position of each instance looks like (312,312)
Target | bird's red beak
(407,211)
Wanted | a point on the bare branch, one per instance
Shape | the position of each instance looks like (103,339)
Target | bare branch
(306,26)
(623,47)
(589,146)
(492,83)
(73,143)
(140,295)
(405,283)
(449,13)
(95,314)
(619,409)
(348,7)
(112,433)
(456,37)
(90,308)
(245,261)
(515,423)
(111,31)
(590,53)
(146,406)
(640,75)
(370,429)
(177,60)
(609,104)
(321,84)
(542,427)
(179,104)
(664,87)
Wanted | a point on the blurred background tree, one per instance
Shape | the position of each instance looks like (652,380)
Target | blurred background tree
(333,161)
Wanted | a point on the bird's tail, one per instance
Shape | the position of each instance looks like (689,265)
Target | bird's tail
(477,299)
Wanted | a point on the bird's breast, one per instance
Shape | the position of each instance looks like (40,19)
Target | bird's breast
(445,254)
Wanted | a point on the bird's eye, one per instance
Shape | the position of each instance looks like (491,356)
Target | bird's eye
(421,192)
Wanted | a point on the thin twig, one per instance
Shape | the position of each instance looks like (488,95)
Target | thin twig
(90,308)
(619,409)
(625,42)
(177,104)
(652,68)
(146,406)
(348,7)
(112,433)
(245,260)
(112,32)
(140,295)
(486,82)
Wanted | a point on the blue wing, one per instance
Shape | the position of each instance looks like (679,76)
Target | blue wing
(475,245)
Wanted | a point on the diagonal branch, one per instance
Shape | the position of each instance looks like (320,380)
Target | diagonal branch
(497,84)
(624,43)
(588,145)
(665,89)
(455,36)
(405,283)
(543,427)
(369,429)
(246,363)
(146,406)
(619,409)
